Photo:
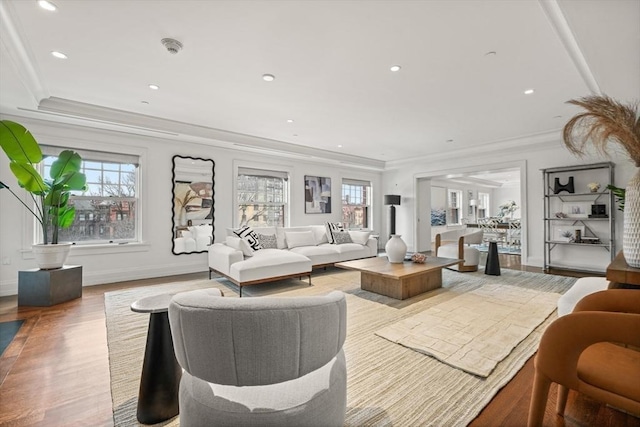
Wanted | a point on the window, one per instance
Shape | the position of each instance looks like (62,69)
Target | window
(454,213)
(107,211)
(483,205)
(356,196)
(262,197)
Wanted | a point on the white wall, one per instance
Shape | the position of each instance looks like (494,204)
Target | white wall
(153,258)
(402,178)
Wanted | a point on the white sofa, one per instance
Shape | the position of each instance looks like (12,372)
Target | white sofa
(196,238)
(298,250)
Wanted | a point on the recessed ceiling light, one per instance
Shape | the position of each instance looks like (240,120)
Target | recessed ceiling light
(339,145)
(528,91)
(557,117)
(395,68)
(289,120)
(59,55)
(449,140)
(295,134)
(154,87)
(144,102)
(47,5)
(268,77)
(490,53)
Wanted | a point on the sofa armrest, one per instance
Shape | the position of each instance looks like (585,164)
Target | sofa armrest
(221,257)
(372,244)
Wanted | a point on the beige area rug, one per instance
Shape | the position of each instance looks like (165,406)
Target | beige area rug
(387,384)
(476,330)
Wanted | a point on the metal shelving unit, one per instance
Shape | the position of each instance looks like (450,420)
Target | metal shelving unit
(602,229)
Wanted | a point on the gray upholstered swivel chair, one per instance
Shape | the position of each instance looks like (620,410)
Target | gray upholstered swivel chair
(262,361)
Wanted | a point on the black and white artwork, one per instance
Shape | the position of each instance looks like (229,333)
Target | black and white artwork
(317,194)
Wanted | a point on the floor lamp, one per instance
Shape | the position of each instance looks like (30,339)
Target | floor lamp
(393,201)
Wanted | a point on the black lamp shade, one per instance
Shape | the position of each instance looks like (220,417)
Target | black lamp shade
(391,199)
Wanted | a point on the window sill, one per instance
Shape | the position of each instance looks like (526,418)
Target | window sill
(99,249)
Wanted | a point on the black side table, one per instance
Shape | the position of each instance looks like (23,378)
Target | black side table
(492,266)
(161,373)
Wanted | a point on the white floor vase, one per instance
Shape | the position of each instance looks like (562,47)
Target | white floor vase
(631,235)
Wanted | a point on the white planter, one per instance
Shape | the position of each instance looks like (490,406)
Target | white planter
(396,249)
(50,256)
(631,235)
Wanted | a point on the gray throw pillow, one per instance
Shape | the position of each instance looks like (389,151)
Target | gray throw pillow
(268,241)
(341,237)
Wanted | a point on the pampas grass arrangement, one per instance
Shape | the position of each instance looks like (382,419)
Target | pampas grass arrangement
(604,120)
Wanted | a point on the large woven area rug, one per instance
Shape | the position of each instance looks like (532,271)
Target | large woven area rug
(387,384)
(476,330)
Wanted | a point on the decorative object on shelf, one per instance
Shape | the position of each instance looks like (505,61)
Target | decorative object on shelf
(317,194)
(567,233)
(619,194)
(396,249)
(507,209)
(50,195)
(418,258)
(568,187)
(593,186)
(392,200)
(607,120)
(598,211)
(561,215)
(576,209)
(578,236)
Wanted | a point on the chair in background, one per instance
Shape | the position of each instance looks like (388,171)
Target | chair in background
(577,352)
(514,234)
(491,232)
(262,361)
(456,244)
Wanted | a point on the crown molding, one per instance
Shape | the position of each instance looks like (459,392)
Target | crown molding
(19,54)
(134,122)
(559,23)
(523,144)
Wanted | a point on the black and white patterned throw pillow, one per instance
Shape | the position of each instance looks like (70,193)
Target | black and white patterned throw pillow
(247,234)
(268,241)
(333,227)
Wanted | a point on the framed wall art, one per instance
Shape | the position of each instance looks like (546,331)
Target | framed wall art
(576,209)
(317,194)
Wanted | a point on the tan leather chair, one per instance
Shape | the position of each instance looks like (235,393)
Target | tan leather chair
(455,244)
(577,352)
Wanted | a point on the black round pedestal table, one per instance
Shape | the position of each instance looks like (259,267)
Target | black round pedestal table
(492,267)
(161,373)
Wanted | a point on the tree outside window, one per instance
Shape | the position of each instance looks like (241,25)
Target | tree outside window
(356,196)
(261,197)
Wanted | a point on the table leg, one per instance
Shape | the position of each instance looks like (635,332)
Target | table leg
(492,266)
(161,373)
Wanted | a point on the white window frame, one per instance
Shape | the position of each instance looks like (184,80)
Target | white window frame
(484,204)
(99,157)
(276,173)
(366,185)
(454,202)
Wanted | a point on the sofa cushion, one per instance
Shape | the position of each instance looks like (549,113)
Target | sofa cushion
(300,238)
(332,227)
(360,236)
(239,245)
(247,234)
(268,263)
(341,237)
(268,241)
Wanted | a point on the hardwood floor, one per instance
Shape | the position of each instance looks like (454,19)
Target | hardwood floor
(56,370)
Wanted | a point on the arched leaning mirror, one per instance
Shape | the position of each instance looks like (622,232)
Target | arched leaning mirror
(193,209)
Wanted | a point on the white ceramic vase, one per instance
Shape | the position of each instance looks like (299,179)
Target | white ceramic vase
(631,234)
(396,249)
(49,257)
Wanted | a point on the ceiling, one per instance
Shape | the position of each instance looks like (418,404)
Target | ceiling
(331,61)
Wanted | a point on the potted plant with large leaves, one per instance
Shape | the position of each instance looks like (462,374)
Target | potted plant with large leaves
(606,121)
(50,195)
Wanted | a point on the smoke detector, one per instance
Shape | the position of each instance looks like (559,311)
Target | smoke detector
(173,46)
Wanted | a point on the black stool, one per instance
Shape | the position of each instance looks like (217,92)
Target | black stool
(493,262)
